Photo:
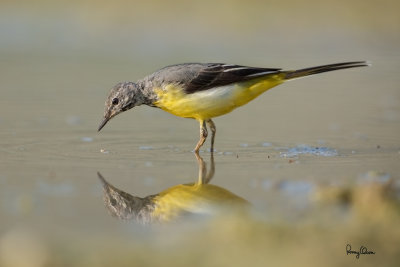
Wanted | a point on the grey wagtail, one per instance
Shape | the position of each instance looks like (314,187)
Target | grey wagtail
(170,204)
(204,91)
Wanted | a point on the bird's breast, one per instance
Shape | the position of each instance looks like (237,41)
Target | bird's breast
(212,102)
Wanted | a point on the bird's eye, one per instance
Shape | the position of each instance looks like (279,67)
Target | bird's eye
(115,101)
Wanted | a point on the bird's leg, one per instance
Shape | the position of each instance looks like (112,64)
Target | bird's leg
(204,176)
(213,131)
(211,172)
(203,136)
(202,169)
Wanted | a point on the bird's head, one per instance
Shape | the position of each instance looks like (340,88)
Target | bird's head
(119,203)
(122,97)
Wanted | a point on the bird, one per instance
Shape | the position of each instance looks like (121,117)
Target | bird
(203,91)
(171,204)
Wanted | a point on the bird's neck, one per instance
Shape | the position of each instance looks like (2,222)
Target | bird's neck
(149,97)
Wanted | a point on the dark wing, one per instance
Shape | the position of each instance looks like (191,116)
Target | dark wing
(216,74)
(194,77)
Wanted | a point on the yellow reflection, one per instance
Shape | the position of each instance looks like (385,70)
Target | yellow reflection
(194,198)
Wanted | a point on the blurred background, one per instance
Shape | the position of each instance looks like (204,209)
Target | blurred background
(58,60)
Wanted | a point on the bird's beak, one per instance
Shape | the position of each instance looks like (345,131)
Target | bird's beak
(103,181)
(102,123)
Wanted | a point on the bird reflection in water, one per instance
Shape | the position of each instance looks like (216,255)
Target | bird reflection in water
(171,204)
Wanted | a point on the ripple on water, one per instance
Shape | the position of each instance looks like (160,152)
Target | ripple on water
(87,139)
(296,187)
(310,150)
(373,176)
(266,144)
(145,147)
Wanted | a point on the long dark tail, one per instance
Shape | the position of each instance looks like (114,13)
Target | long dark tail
(292,74)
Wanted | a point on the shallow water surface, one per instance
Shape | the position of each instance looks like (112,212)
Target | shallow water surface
(305,169)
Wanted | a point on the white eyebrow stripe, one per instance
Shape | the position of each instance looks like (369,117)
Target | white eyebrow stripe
(261,73)
(238,68)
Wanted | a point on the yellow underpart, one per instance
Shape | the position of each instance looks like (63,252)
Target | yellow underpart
(193,198)
(214,102)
